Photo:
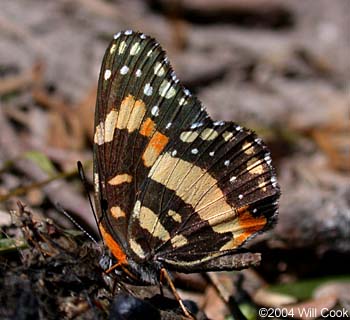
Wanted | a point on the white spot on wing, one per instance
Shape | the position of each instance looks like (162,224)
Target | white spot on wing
(267,158)
(124,70)
(258,141)
(274,181)
(173,153)
(227,163)
(240,197)
(155,111)
(148,90)
(117,35)
(107,74)
(143,36)
(196,125)
(128,32)
(174,77)
(168,125)
(233,178)
(138,73)
(211,153)
(194,151)
(187,92)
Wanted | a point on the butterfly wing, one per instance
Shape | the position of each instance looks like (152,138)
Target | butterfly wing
(172,186)
(215,188)
(140,108)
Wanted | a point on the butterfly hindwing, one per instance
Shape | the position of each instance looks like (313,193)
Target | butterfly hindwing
(215,188)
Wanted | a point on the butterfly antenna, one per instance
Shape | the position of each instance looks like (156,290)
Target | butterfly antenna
(60,209)
(86,187)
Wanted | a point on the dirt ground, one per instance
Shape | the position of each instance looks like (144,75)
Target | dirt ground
(281,68)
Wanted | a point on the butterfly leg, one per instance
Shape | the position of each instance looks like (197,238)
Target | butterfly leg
(110,269)
(164,275)
(123,268)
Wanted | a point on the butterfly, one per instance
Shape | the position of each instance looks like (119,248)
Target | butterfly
(174,189)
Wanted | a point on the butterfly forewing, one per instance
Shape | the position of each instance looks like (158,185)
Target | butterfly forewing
(140,108)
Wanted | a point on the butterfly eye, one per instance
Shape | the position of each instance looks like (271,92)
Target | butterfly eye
(105,262)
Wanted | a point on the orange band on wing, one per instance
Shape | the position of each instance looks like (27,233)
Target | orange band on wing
(154,148)
(248,224)
(158,142)
(147,128)
(244,226)
(116,250)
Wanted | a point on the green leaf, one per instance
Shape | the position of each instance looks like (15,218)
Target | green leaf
(248,310)
(304,289)
(9,245)
(42,161)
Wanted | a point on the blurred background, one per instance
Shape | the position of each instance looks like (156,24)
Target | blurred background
(279,67)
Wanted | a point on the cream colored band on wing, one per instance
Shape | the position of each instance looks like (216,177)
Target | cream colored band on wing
(191,183)
(119,179)
(104,131)
(198,188)
(117,213)
(149,220)
(129,116)
(131,113)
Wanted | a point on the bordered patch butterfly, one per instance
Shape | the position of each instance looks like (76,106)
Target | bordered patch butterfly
(174,190)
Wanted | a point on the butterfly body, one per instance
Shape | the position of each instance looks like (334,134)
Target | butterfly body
(173,188)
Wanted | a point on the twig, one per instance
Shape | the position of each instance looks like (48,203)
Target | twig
(23,80)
